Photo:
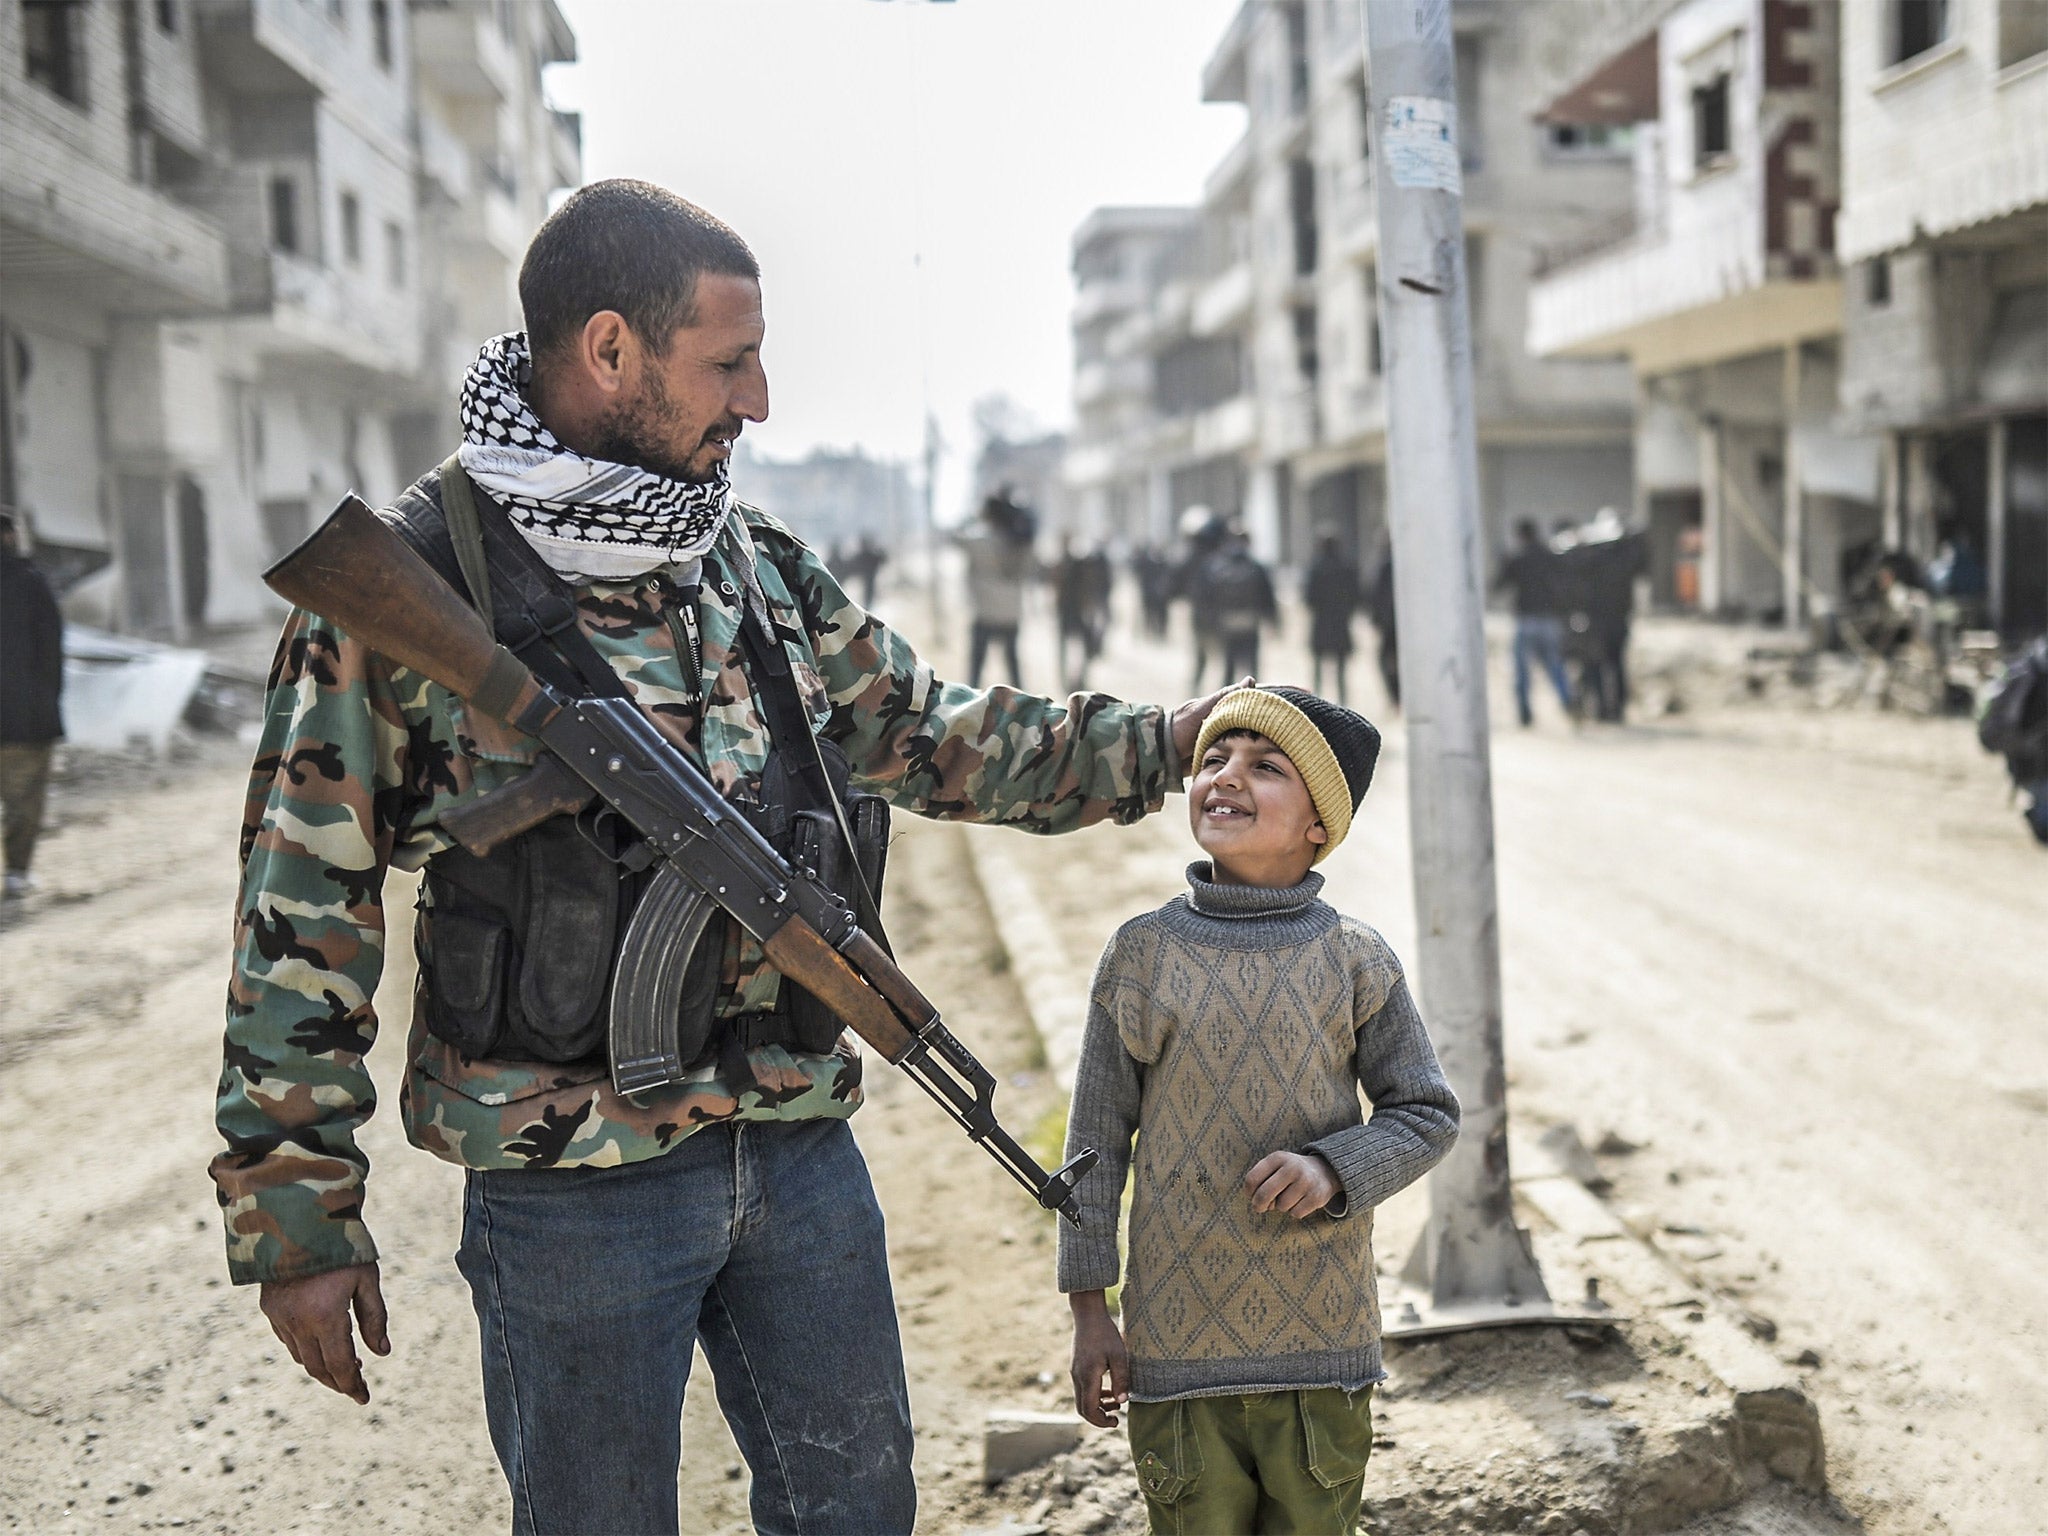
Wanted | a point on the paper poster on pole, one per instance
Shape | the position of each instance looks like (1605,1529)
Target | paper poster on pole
(1422,144)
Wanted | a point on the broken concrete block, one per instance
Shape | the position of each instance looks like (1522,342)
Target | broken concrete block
(1016,1440)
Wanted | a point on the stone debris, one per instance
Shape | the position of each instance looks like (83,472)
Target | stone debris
(1016,1440)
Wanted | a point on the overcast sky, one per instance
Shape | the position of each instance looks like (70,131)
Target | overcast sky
(844,137)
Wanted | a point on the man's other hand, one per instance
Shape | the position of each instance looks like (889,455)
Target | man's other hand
(1187,722)
(311,1316)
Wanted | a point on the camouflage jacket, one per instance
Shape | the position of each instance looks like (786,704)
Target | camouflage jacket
(360,758)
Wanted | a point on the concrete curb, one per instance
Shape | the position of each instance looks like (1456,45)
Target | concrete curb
(1777,1427)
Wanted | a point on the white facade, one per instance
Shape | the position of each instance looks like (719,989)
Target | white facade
(1226,355)
(227,286)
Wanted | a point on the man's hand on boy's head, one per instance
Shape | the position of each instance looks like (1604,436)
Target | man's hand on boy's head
(1098,1353)
(1185,723)
(1297,1184)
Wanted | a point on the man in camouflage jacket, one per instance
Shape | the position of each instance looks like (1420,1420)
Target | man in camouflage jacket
(603,1232)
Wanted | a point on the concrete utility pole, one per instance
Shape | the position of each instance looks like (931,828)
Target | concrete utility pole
(1475,1262)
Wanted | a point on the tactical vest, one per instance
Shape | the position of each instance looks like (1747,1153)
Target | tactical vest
(525,940)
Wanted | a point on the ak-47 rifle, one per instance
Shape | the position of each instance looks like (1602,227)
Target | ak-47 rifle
(357,572)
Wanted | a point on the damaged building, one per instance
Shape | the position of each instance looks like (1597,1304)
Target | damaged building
(246,248)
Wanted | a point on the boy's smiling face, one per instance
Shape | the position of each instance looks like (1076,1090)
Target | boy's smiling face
(1252,813)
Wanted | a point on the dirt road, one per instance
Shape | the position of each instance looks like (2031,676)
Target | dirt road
(1797,961)
(139,1391)
(1801,961)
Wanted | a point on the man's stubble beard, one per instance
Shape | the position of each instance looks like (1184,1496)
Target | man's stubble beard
(632,433)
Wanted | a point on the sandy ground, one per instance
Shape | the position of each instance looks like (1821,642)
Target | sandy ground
(1798,960)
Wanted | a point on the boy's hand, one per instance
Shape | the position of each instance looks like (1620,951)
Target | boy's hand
(1098,1352)
(1296,1183)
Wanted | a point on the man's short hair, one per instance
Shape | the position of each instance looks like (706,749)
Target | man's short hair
(628,246)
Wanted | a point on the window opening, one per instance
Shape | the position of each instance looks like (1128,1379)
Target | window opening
(1917,26)
(1877,282)
(284,215)
(1710,144)
(49,45)
(351,229)
(380,31)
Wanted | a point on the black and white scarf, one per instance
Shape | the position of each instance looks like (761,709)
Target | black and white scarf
(589,518)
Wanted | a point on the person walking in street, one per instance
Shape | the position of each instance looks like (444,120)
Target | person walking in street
(1379,608)
(1250,1340)
(1237,591)
(1534,574)
(999,564)
(1154,577)
(604,1234)
(1331,591)
(31,703)
(1205,534)
(1614,558)
(1081,591)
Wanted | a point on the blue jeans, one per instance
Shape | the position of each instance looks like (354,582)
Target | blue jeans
(1542,638)
(764,1242)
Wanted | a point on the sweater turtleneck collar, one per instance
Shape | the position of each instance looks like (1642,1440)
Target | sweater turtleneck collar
(1213,899)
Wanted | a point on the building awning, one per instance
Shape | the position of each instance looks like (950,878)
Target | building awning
(1621,91)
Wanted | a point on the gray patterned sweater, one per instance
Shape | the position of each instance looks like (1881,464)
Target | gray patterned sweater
(1233,1022)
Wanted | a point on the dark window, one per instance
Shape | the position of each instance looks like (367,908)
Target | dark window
(1307,353)
(1590,138)
(1301,204)
(1917,25)
(1877,282)
(2022,30)
(394,253)
(284,215)
(49,45)
(1710,122)
(336,13)
(1469,112)
(351,229)
(167,15)
(1197,374)
(380,31)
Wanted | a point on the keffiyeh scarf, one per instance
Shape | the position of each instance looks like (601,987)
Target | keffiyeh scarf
(589,518)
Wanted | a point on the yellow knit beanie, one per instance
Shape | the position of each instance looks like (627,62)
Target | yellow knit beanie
(1332,748)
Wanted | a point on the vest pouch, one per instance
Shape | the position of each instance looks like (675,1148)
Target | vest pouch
(815,844)
(568,942)
(467,981)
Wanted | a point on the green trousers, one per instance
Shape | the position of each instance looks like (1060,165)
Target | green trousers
(1271,1463)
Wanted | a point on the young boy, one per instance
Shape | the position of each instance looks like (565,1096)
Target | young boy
(1232,1030)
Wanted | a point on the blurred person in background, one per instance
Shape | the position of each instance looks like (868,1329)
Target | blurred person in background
(1534,574)
(1333,593)
(1081,586)
(31,701)
(1154,576)
(1238,593)
(1204,533)
(999,564)
(1379,608)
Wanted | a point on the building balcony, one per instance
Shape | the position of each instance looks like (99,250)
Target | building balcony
(1229,184)
(66,217)
(1231,427)
(445,160)
(291,306)
(1684,281)
(267,47)
(1291,422)
(1111,378)
(1224,302)
(459,51)
(565,148)
(1102,297)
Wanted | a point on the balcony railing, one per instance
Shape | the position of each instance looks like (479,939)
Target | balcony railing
(1594,240)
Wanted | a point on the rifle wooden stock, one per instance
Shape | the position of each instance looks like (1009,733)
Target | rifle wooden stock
(358,573)
(546,789)
(800,952)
